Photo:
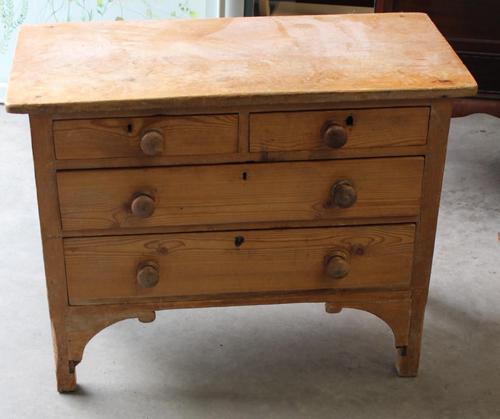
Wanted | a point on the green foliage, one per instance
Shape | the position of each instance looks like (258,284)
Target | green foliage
(185,11)
(10,20)
(111,9)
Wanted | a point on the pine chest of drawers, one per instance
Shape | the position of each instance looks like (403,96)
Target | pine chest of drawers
(237,161)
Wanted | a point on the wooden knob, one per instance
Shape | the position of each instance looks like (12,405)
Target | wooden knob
(343,194)
(148,274)
(143,206)
(337,266)
(152,143)
(333,134)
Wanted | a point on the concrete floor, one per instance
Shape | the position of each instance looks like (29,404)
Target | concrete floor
(291,361)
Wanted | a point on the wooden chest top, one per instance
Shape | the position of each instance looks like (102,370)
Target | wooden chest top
(123,66)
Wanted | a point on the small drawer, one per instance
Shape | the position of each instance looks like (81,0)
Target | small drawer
(126,268)
(346,129)
(146,137)
(239,193)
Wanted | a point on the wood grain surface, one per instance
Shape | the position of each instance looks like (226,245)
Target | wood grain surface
(120,137)
(408,362)
(295,131)
(53,250)
(123,66)
(104,269)
(221,194)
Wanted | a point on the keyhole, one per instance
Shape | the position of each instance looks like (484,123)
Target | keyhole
(129,128)
(244,175)
(239,240)
(349,120)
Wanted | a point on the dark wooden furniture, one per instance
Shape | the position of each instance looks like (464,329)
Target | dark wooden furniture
(473,29)
(175,170)
(263,7)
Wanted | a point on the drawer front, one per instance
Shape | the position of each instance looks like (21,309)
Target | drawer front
(346,129)
(146,137)
(239,193)
(114,269)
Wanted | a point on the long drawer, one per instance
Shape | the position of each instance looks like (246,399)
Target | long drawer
(126,268)
(146,137)
(239,193)
(347,129)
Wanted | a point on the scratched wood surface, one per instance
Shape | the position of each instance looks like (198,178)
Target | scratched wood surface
(121,66)
(104,269)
